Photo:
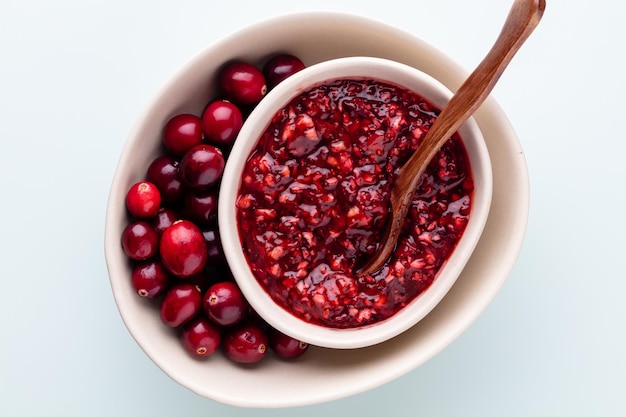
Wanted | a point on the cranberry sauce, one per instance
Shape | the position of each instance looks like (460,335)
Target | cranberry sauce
(314,200)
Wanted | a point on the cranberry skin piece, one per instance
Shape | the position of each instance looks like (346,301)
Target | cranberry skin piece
(201,167)
(200,337)
(181,303)
(279,67)
(182,249)
(222,121)
(224,304)
(201,208)
(163,172)
(286,346)
(165,218)
(245,343)
(143,200)
(242,82)
(181,133)
(150,278)
(140,240)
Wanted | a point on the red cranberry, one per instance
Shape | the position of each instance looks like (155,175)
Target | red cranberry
(181,303)
(201,207)
(245,343)
(143,200)
(182,249)
(201,167)
(224,303)
(163,172)
(150,278)
(181,133)
(200,337)
(222,121)
(242,82)
(286,346)
(140,240)
(215,253)
(165,217)
(279,67)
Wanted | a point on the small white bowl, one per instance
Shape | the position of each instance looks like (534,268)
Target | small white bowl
(338,69)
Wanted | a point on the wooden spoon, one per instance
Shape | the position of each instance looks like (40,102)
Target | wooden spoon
(521,21)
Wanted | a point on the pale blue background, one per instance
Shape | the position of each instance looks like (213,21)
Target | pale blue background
(75,74)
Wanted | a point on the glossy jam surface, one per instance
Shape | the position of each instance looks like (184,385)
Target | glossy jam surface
(314,200)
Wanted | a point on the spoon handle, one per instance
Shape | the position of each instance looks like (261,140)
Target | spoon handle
(523,17)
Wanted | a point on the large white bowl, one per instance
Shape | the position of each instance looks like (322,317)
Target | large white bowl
(387,71)
(322,374)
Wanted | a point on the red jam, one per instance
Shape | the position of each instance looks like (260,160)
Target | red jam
(315,194)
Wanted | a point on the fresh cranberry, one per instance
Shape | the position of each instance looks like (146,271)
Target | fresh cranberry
(215,253)
(279,67)
(285,346)
(181,133)
(181,303)
(143,200)
(224,303)
(200,337)
(242,82)
(201,207)
(140,240)
(222,121)
(150,278)
(182,249)
(245,343)
(201,167)
(163,172)
(165,217)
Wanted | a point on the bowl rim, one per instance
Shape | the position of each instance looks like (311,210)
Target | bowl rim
(354,67)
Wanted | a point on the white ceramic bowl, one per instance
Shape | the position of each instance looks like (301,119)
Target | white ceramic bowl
(321,374)
(337,69)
